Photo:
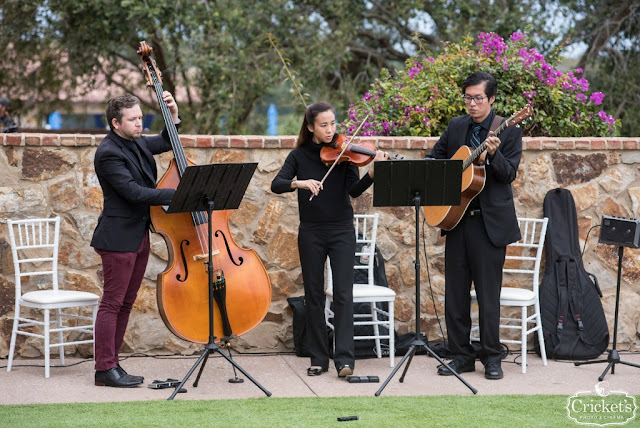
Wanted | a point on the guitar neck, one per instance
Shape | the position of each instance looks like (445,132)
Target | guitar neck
(482,147)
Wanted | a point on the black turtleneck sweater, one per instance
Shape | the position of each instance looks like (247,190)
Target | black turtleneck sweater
(332,203)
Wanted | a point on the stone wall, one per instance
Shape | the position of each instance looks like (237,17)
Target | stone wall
(49,174)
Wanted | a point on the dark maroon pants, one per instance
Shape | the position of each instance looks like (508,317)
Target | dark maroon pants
(123,273)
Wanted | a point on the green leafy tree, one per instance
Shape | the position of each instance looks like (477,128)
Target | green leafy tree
(420,99)
(610,31)
(217,51)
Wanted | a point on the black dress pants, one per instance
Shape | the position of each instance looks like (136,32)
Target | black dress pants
(315,243)
(471,257)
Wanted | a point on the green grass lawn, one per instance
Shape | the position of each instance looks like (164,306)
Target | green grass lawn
(414,411)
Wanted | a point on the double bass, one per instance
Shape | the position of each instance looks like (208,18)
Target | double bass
(242,289)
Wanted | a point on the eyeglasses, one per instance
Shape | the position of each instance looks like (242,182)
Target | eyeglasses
(467,99)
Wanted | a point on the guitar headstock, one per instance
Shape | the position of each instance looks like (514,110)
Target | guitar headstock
(518,117)
(148,66)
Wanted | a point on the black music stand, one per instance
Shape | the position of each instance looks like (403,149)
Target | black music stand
(418,183)
(199,187)
(613,358)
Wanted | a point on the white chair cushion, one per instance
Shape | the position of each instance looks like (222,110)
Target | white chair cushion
(362,290)
(520,294)
(365,291)
(512,294)
(46,297)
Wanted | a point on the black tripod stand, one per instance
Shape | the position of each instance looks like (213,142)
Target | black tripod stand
(401,183)
(613,358)
(198,188)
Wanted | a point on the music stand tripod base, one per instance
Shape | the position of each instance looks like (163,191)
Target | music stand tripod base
(209,349)
(613,358)
(199,187)
(416,183)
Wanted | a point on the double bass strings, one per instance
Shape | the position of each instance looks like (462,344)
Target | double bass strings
(199,217)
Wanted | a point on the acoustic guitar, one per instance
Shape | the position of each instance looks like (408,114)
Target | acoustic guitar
(448,216)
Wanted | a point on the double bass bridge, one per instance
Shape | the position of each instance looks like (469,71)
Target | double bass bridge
(204,256)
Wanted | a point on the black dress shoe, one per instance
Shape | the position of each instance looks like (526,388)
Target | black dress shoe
(316,370)
(345,370)
(458,366)
(492,370)
(124,373)
(113,377)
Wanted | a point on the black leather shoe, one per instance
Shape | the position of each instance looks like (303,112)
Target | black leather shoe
(113,377)
(458,366)
(345,370)
(492,370)
(124,373)
(316,370)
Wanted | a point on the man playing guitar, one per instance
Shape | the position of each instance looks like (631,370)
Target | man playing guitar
(476,245)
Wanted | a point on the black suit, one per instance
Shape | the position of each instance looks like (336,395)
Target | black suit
(475,248)
(127,174)
(128,186)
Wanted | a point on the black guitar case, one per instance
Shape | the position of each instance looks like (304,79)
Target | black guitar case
(573,321)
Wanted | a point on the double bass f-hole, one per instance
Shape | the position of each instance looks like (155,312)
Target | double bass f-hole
(226,244)
(184,261)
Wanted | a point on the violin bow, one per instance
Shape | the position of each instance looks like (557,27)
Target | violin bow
(344,149)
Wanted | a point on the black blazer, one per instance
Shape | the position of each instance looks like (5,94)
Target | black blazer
(496,199)
(128,190)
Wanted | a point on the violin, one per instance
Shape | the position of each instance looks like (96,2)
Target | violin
(359,153)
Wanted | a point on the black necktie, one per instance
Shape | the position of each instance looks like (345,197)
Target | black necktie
(143,162)
(475,135)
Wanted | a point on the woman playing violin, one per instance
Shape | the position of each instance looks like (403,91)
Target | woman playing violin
(326,229)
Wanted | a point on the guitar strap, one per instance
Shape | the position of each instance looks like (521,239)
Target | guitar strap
(497,121)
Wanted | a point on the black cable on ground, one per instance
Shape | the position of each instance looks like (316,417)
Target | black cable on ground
(426,262)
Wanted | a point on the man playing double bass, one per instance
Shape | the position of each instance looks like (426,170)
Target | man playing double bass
(476,247)
(127,173)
